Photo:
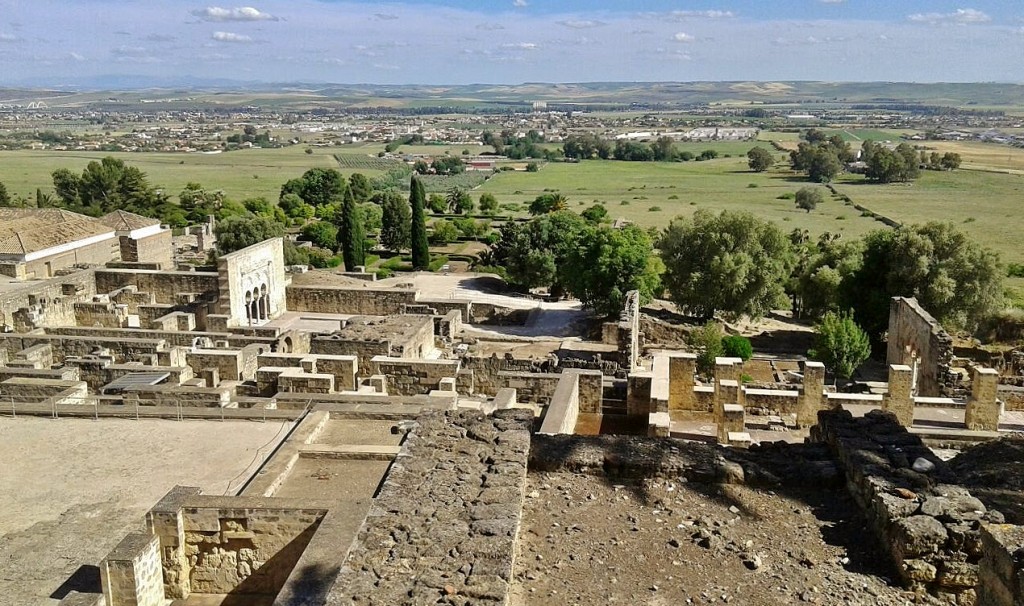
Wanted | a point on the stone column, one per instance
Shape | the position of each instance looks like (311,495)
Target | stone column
(812,394)
(728,369)
(982,407)
(131,574)
(638,394)
(681,369)
(899,400)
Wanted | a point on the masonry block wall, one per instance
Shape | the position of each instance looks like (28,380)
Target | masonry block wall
(930,527)
(355,301)
(913,332)
(251,283)
(50,303)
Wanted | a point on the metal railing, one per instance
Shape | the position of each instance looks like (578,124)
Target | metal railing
(96,407)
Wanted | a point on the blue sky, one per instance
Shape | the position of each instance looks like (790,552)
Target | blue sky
(513,41)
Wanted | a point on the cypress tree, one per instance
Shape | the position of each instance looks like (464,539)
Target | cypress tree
(420,248)
(350,232)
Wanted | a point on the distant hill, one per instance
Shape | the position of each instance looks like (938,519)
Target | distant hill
(297,95)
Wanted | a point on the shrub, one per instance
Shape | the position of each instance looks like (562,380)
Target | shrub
(673,197)
(736,346)
(707,341)
(654,209)
(1015,270)
(840,344)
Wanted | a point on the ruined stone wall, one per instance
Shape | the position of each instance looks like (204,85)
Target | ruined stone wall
(537,388)
(460,480)
(165,286)
(413,377)
(487,370)
(122,349)
(930,528)
(364,351)
(244,551)
(48,303)
(355,301)
(563,412)
(157,248)
(912,330)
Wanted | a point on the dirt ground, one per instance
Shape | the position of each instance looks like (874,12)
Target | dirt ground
(73,488)
(590,542)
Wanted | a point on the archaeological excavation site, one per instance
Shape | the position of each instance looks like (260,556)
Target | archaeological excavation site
(251,433)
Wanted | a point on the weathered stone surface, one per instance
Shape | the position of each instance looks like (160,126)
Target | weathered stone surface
(445,522)
(919,535)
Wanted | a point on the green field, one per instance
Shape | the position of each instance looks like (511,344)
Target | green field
(241,174)
(677,188)
(986,205)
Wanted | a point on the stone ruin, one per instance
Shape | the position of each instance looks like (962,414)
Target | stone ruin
(457,433)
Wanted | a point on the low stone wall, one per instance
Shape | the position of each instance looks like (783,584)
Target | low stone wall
(459,480)
(930,527)
(413,377)
(356,301)
(561,415)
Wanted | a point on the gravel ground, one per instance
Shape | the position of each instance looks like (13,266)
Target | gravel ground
(587,541)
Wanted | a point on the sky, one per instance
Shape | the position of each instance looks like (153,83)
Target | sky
(512,41)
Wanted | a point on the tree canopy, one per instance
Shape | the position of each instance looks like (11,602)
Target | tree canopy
(732,262)
(760,159)
(418,230)
(236,233)
(958,281)
(607,263)
(840,344)
(396,222)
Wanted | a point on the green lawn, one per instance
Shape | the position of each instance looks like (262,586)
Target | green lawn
(677,188)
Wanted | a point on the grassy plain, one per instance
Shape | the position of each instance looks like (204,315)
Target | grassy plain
(241,174)
(986,205)
(653,193)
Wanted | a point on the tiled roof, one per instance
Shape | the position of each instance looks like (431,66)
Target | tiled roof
(122,220)
(28,230)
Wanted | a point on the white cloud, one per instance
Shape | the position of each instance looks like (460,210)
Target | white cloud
(9,38)
(963,16)
(230,37)
(490,27)
(243,13)
(521,46)
(75,56)
(712,14)
(581,23)
(683,37)
(520,3)
(832,1)
(129,51)
(385,16)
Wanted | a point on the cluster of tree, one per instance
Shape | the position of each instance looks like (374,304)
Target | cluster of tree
(249,134)
(442,165)
(886,165)
(565,253)
(508,144)
(736,264)
(935,161)
(820,156)
(590,146)
(109,185)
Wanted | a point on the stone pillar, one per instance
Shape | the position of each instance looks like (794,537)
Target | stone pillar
(899,400)
(728,369)
(591,390)
(165,522)
(681,369)
(732,421)
(982,407)
(131,574)
(812,394)
(638,394)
